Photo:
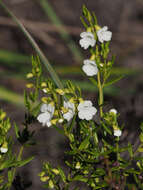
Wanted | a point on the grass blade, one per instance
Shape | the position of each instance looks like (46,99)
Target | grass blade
(35,46)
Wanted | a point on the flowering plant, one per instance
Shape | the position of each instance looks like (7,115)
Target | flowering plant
(95,157)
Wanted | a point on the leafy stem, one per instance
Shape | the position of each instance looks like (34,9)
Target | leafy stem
(13,171)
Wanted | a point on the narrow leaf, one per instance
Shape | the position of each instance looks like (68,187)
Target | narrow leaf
(113,81)
(84,144)
(62,174)
(16,130)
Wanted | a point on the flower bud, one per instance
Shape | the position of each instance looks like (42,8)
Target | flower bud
(44,178)
(29,75)
(51,184)
(43,84)
(29,85)
(55,171)
(113,111)
(77,165)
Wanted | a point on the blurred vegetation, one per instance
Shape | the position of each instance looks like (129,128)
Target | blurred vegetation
(16,65)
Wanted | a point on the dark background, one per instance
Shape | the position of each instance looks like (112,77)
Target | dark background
(123,17)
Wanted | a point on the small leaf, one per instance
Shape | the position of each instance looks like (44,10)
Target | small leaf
(16,130)
(107,129)
(10,175)
(72,124)
(84,23)
(84,144)
(80,178)
(61,173)
(113,81)
(93,81)
(130,150)
(94,18)
(36,109)
(23,162)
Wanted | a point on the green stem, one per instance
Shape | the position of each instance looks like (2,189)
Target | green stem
(117,148)
(100,94)
(13,171)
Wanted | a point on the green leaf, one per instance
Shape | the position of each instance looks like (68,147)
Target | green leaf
(130,150)
(94,18)
(62,174)
(84,23)
(72,124)
(140,149)
(113,81)
(84,144)
(14,163)
(36,109)
(93,81)
(16,130)
(132,171)
(10,175)
(23,162)
(107,129)
(26,102)
(80,178)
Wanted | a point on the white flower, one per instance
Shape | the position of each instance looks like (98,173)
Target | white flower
(44,90)
(114,111)
(86,110)
(46,115)
(87,39)
(70,110)
(3,149)
(104,35)
(60,120)
(90,67)
(117,132)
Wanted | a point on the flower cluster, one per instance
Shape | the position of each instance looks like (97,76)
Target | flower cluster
(88,40)
(85,111)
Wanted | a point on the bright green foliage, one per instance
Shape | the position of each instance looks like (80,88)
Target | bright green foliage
(9,160)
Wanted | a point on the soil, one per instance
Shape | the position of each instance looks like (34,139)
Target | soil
(125,19)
